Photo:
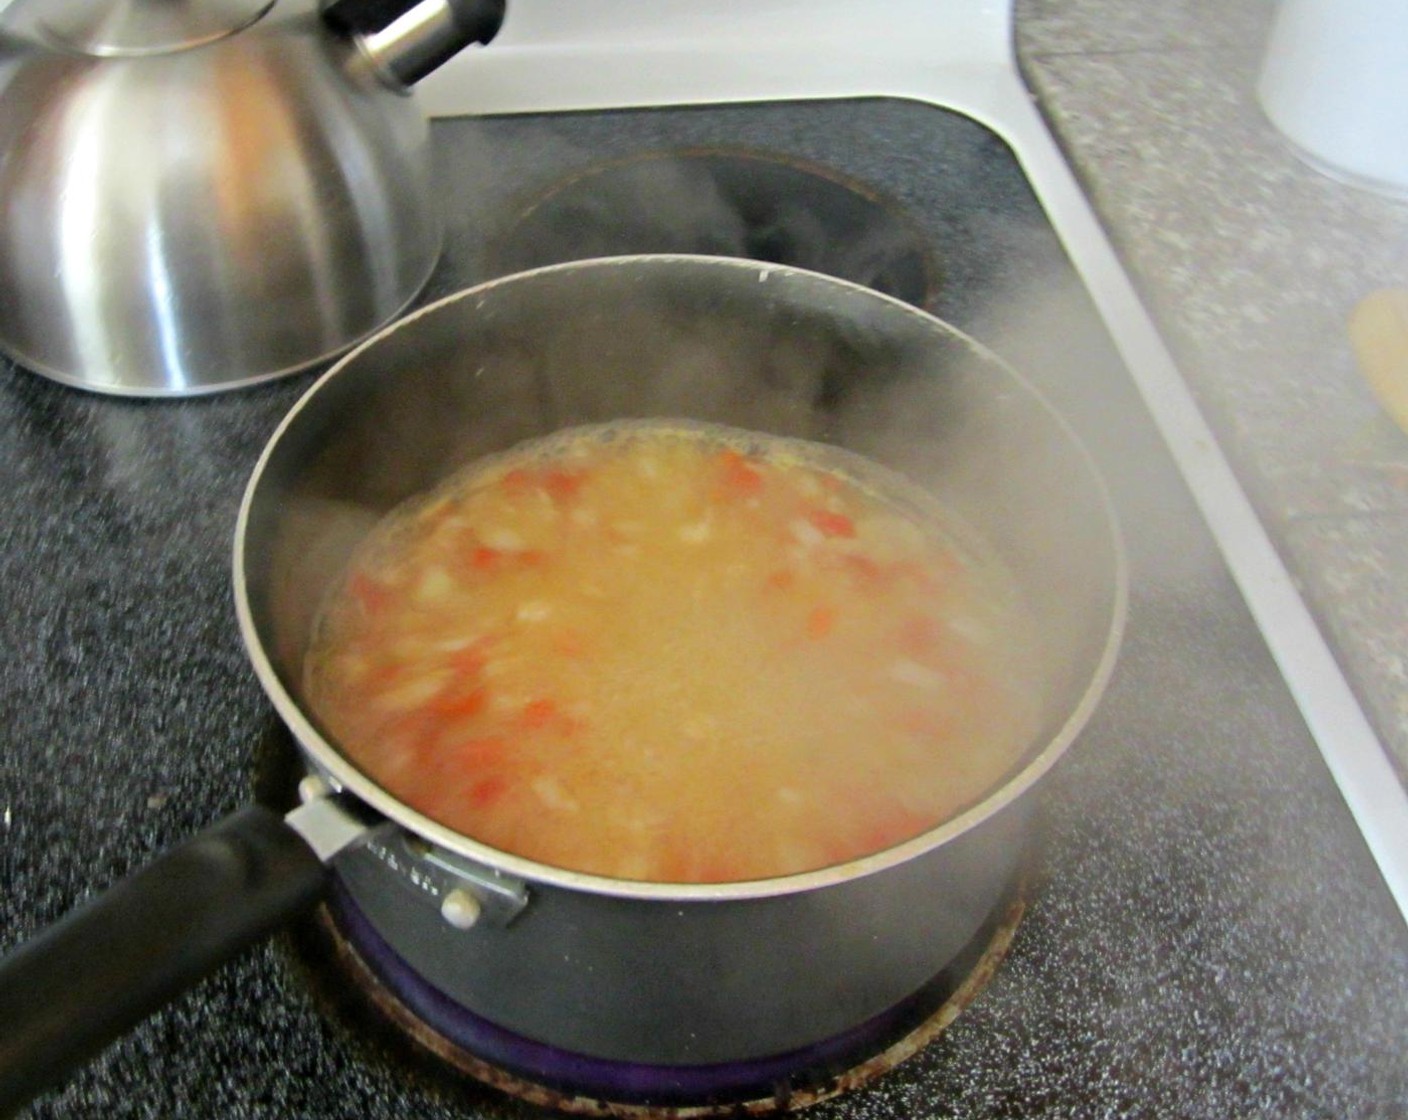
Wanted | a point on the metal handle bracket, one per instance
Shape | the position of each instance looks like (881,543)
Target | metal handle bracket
(443,880)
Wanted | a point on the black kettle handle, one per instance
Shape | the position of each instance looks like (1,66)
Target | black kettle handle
(445,28)
(86,980)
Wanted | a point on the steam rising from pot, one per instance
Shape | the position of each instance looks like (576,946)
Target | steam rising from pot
(748,346)
(724,202)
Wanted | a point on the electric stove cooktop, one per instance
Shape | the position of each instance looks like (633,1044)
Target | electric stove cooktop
(1208,925)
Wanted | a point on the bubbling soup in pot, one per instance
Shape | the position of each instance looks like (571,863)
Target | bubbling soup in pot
(676,652)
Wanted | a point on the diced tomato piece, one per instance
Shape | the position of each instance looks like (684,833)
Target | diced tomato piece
(922,636)
(675,864)
(517,480)
(538,714)
(866,571)
(373,597)
(832,524)
(563,485)
(478,753)
(382,675)
(545,715)
(716,869)
(571,644)
(897,825)
(457,704)
(484,793)
(485,559)
(820,622)
(468,662)
(781,580)
(837,850)
(738,478)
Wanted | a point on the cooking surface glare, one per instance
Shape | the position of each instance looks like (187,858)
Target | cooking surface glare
(677,653)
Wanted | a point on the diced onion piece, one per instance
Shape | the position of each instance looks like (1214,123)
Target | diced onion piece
(696,532)
(504,540)
(971,627)
(436,585)
(410,650)
(354,666)
(456,643)
(910,672)
(416,691)
(551,793)
(807,533)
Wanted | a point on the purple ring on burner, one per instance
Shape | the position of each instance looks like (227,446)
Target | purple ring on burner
(637,1083)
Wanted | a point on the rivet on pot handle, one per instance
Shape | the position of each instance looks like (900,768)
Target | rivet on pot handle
(466,894)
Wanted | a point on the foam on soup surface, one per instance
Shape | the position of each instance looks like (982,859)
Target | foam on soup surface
(677,653)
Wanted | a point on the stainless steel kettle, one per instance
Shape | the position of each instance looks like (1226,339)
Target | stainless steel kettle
(201,194)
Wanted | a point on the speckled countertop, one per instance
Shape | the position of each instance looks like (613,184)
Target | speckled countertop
(1251,263)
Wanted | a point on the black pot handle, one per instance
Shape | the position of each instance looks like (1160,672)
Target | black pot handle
(86,980)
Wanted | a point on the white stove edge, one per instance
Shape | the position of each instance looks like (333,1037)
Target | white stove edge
(605,54)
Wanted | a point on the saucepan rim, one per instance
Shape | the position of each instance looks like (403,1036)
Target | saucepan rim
(348,778)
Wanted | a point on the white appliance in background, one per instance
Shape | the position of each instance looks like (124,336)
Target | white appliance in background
(605,54)
(1334,80)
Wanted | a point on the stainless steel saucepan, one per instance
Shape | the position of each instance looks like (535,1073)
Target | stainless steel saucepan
(679,975)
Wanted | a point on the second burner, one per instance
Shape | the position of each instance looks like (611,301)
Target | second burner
(726,203)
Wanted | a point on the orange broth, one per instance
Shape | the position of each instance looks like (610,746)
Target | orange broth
(677,653)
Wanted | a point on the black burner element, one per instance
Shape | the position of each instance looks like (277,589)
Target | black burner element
(726,203)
